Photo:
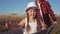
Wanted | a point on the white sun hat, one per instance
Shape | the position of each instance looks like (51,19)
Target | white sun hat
(31,4)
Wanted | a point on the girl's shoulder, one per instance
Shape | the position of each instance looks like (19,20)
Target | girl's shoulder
(25,19)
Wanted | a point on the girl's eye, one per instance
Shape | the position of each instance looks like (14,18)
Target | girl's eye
(31,11)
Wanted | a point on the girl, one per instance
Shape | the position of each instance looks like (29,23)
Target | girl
(31,22)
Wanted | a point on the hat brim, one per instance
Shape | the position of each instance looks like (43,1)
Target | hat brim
(32,8)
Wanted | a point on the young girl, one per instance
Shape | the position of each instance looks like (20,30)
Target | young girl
(31,22)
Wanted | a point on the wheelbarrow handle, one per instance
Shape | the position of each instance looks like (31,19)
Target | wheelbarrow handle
(52,27)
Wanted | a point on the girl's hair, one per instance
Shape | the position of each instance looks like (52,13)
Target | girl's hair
(38,23)
(28,26)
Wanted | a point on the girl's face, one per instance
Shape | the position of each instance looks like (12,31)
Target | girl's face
(31,13)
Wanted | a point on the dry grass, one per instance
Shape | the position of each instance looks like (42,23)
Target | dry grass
(15,19)
(9,19)
(57,28)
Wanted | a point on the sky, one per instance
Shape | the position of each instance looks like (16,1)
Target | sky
(19,6)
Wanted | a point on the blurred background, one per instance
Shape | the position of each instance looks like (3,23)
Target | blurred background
(13,11)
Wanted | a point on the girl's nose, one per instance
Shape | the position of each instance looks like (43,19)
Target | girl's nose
(32,12)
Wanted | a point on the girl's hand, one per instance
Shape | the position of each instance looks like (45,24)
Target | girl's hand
(43,26)
(16,27)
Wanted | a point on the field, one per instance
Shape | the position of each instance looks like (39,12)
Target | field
(13,20)
(57,28)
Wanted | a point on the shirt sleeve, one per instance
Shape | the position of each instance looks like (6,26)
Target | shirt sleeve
(51,13)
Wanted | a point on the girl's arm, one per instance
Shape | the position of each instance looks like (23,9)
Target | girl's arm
(19,26)
(43,25)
